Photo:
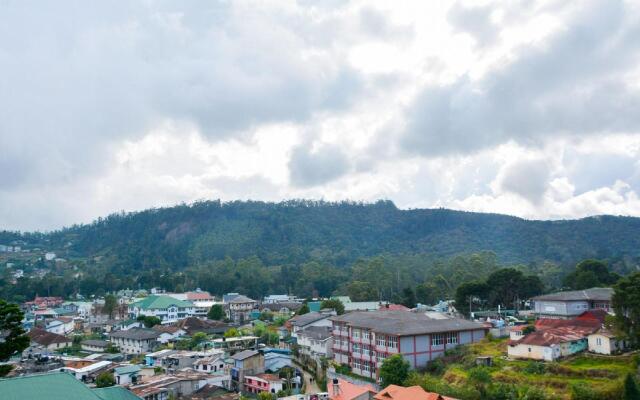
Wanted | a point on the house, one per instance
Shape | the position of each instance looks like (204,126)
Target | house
(163,387)
(393,307)
(248,362)
(316,341)
(262,383)
(168,333)
(54,326)
(277,298)
(135,341)
(167,308)
(239,308)
(303,321)
(548,344)
(87,372)
(47,340)
(193,325)
(201,300)
(93,345)
(363,340)
(43,302)
(57,386)
(340,389)
(276,359)
(573,303)
(235,343)
(605,341)
(210,364)
(284,309)
(517,332)
(127,374)
(394,392)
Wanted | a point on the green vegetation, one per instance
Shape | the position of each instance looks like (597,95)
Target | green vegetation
(216,312)
(394,370)
(14,339)
(626,303)
(105,379)
(590,273)
(335,304)
(573,378)
(149,321)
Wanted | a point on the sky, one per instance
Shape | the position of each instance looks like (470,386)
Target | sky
(528,108)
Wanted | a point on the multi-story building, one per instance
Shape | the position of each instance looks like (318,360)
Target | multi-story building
(167,308)
(363,340)
(571,304)
(269,383)
(135,340)
(239,308)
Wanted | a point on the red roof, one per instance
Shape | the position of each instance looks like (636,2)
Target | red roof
(394,392)
(597,314)
(347,390)
(199,296)
(575,323)
(268,377)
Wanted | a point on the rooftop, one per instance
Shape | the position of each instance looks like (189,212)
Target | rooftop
(603,294)
(136,334)
(115,393)
(244,354)
(51,386)
(348,391)
(95,343)
(308,318)
(551,336)
(316,332)
(394,392)
(44,338)
(127,369)
(404,323)
(160,302)
(241,299)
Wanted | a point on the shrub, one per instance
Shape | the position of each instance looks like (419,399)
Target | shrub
(534,367)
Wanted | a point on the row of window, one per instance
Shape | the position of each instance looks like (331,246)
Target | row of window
(387,341)
(365,366)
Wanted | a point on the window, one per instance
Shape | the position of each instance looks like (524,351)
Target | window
(452,338)
(599,341)
(365,335)
(357,364)
(356,333)
(356,348)
(437,339)
(392,342)
(380,340)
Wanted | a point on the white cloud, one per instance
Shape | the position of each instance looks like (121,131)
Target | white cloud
(521,108)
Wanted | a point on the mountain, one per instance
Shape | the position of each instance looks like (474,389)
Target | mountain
(298,231)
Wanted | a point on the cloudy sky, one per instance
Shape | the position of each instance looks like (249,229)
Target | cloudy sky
(518,107)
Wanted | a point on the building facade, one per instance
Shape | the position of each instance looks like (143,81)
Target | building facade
(571,304)
(363,340)
(167,308)
(135,341)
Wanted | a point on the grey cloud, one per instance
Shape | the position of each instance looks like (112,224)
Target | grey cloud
(593,171)
(475,21)
(528,179)
(573,85)
(308,168)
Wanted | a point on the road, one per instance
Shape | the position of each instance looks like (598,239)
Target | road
(310,387)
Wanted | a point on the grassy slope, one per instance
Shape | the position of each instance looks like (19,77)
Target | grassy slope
(601,373)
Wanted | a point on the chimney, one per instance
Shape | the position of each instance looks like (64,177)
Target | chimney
(336,387)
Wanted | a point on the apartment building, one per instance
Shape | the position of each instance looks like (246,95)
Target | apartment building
(363,340)
(167,308)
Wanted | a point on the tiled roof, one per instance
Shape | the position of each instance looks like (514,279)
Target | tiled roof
(199,296)
(244,354)
(598,315)
(52,386)
(404,323)
(602,294)
(348,391)
(268,377)
(394,392)
(160,302)
(583,325)
(95,343)
(308,318)
(241,299)
(136,334)
(550,336)
(44,338)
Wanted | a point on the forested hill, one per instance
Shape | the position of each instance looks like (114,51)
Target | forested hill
(297,231)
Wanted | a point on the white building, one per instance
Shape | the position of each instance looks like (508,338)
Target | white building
(606,342)
(316,341)
(135,341)
(167,308)
(309,319)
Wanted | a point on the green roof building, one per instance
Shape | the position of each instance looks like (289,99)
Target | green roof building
(167,308)
(57,386)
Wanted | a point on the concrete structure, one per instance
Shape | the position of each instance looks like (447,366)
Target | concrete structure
(92,345)
(248,362)
(604,341)
(269,383)
(363,340)
(167,308)
(87,372)
(238,309)
(127,374)
(168,333)
(47,340)
(316,341)
(135,341)
(571,304)
(340,389)
(309,319)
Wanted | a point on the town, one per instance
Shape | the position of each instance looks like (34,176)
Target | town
(157,345)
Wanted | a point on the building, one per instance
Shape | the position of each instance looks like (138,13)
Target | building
(201,300)
(394,392)
(316,341)
(248,362)
(283,309)
(167,308)
(553,339)
(94,345)
(47,340)
(193,325)
(277,298)
(573,303)
(363,340)
(238,308)
(127,374)
(303,321)
(57,386)
(604,341)
(262,383)
(163,387)
(86,371)
(169,333)
(210,364)
(135,341)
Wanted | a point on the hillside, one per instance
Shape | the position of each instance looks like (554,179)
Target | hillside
(298,231)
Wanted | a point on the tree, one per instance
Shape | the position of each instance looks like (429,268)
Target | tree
(303,310)
(105,379)
(15,340)
(149,321)
(468,292)
(216,312)
(265,396)
(590,273)
(231,332)
(408,297)
(630,389)
(626,303)
(110,304)
(197,339)
(335,304)
(394,370)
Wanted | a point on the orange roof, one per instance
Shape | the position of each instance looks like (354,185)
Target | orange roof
(394,392)
(347,390)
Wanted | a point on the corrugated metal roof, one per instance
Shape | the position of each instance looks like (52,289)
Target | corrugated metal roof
(603,294)
(160,302)
(53,386)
